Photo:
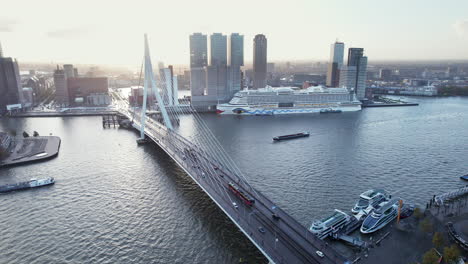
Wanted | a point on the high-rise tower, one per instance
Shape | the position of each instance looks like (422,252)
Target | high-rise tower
(336,61)
(354,75)
(218,49)
(235,60)
(198,62)
(11,91)
(259,61)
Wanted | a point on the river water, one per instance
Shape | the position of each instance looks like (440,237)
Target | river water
(116,202)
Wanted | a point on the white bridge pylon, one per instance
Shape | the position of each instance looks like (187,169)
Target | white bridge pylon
(151,82)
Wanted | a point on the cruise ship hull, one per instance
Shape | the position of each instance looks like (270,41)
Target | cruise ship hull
(226,109)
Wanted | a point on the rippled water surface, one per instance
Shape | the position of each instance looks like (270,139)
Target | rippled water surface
(115,202)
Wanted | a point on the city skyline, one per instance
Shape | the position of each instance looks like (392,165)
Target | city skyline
(412,33)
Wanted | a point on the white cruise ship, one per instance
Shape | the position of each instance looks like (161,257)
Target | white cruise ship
(289,100)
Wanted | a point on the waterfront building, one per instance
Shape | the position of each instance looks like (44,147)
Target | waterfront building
(75,72)
(69,71)
(236,61)
(79,89)
(217,71)
(11,92)
(355,73)
(61,88)
(236,49)
(348,76)
(335,63)
(218,49)
(198,62)
(216,82)
(259,61)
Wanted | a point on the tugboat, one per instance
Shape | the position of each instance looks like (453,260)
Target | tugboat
(33,183)
(330,110)
(291,136)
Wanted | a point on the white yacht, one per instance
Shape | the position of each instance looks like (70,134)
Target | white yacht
(368,200)
(380,217)
(328,225)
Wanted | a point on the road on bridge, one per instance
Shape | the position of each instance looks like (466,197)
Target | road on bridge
(274,232)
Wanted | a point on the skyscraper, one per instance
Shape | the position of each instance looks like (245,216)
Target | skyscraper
(218,49)
(355,73)
(61,87)
(354,55)
(236,60)
(336,61)
(198,60)
(259,61)
(11,91)
(216,72)
(236,50)
(198,50)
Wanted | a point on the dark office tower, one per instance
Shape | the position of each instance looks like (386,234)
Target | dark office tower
(217,72)
(235,60)
(11,92)
(198,61)
(198,50)
(61,87)
(259,61)
(354,75)
(336,61)
(236,50)
(354,55)
(218,49)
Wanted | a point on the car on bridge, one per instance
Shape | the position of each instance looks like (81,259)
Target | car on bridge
(320,254)
(261,229)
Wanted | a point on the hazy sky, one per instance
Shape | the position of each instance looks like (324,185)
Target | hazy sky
(111,32)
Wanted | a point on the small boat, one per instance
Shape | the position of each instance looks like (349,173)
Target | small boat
(406,210)
(142,141)
(291,136)
(33,183)
(464,177)
(330,110)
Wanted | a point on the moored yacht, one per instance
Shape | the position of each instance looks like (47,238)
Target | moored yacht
(368,200)
(328,225)
(380,217)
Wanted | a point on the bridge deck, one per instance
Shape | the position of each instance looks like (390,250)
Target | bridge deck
(281,240)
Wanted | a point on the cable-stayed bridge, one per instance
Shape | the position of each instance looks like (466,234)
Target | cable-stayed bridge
(274,232)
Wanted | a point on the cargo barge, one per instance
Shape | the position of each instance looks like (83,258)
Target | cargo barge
(33,183)
(291,136)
